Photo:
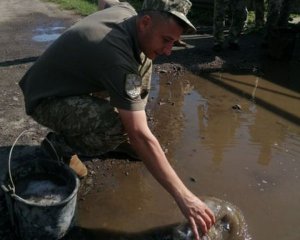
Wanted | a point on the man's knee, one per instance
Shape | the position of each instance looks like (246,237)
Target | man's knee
(77,115)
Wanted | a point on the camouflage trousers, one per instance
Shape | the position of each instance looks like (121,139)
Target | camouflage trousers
(278,13)
(238,16)
(259,6)
(88,125)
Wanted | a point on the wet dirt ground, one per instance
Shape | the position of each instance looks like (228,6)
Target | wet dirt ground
(229,123)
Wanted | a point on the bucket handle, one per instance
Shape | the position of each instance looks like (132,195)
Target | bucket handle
(11,187)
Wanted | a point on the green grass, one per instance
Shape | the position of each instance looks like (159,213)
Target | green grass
(82,7)
(86,7)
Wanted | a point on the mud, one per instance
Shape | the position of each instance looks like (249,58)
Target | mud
(229,123)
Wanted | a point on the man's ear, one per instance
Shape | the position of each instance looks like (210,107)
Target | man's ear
(145,22)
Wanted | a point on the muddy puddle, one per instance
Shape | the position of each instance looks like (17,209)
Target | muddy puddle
(47,34)
(228,135)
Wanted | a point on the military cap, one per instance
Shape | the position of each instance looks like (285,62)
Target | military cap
(178,8)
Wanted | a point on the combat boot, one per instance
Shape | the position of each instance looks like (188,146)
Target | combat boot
(55,147)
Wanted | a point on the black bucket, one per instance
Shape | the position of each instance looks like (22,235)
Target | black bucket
(41,197)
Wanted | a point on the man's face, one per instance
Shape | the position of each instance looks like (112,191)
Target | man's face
(157,38)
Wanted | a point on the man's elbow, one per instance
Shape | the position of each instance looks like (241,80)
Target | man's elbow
(140,137)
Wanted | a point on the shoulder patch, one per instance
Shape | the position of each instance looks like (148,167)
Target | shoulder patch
(133,85)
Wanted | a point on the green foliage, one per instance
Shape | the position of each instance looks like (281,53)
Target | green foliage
(251,18)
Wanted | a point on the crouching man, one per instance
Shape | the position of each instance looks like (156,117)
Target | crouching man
(110,52)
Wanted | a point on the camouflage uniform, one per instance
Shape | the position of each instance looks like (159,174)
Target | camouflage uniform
(278,13)
(278,38)
(178,8)
(86,124)
(238,13)
(259,6)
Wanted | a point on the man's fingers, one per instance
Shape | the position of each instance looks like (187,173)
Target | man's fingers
(211,215)
(208,218)
(203,222)
(194,229)
(207,221)
(200,217)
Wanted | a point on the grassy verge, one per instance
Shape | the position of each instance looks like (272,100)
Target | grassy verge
(82,7)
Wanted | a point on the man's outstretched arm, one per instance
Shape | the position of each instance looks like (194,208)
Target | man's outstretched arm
(149,150)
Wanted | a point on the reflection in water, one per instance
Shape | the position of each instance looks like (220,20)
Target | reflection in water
(220,122)
(45,37)
(262,131)
(265,137)
(47,34)
(257,147)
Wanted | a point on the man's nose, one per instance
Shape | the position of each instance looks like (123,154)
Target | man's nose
(168,49)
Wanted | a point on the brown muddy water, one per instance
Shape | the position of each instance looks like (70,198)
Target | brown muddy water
(232,136)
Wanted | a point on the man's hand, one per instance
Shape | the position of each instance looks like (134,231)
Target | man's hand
(197,213)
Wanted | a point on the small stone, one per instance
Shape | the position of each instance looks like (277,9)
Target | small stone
(193,179)
(237,107)
(89,181)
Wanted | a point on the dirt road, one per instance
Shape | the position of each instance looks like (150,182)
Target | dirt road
(24,28)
